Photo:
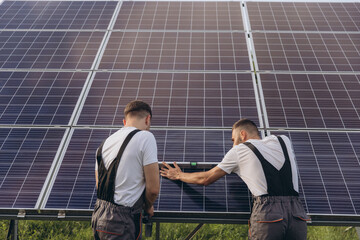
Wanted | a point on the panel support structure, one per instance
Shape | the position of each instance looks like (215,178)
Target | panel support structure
(157,231)
(192,234)
(13,230)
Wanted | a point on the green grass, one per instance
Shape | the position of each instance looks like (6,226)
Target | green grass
(61,230)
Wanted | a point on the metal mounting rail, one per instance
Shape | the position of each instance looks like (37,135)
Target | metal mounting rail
(192,165)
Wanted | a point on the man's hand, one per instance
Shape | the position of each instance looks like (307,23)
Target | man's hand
(150,211)
(201,178)
(170,172)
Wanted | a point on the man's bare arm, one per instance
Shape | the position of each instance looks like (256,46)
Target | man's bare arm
(201,178)
(152,183)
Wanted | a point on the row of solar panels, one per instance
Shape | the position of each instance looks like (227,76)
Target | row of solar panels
(321,101)
(153,36)
(328,168)
(181,51)
(67,69)
(181,16)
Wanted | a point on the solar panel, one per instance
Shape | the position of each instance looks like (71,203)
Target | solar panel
(149,15)
(329,170)
(176,51)
(48,49)
(74,187)
(329,52)
(312,100)
(177,99)
(39,98)
(56,14)
(26,156)
(228,194)
(304,16)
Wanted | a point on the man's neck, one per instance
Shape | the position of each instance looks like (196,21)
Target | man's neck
(257,137)
(132,125)
(135,124)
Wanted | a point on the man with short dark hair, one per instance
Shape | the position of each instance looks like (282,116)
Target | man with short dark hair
(268,168)
(127,176)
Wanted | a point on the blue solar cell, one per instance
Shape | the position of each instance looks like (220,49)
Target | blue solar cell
(170,197)
(238,195)
(39,98)
(215,197)
(49,50)
(74,187)
(312,100)
(56,14)
(177,99)
(26,157)
(192,198)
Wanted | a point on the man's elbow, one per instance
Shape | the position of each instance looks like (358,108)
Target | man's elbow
(154,192)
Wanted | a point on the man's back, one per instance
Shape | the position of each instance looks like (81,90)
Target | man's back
(241,160)
(127,177)
(140,151)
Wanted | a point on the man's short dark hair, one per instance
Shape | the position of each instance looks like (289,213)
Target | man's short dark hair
(137,108)
(247,125)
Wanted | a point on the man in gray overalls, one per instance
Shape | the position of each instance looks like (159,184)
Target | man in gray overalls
(268,168)
(127,177)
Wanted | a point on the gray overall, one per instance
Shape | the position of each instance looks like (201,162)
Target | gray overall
(279,214)
(110,220)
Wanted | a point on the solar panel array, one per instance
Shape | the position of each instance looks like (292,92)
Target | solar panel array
(48,50)
(68,68)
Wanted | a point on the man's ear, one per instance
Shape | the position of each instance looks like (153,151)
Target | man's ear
(124,121)
(243,135)
(147,119)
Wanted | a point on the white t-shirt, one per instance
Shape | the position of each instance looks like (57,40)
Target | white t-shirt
(130,178)
(243,161)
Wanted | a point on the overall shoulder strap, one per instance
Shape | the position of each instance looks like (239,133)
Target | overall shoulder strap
(106,188)
(283,146)
(279,182)
(286,172)
(261,158)
(270,172)
(123,146)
